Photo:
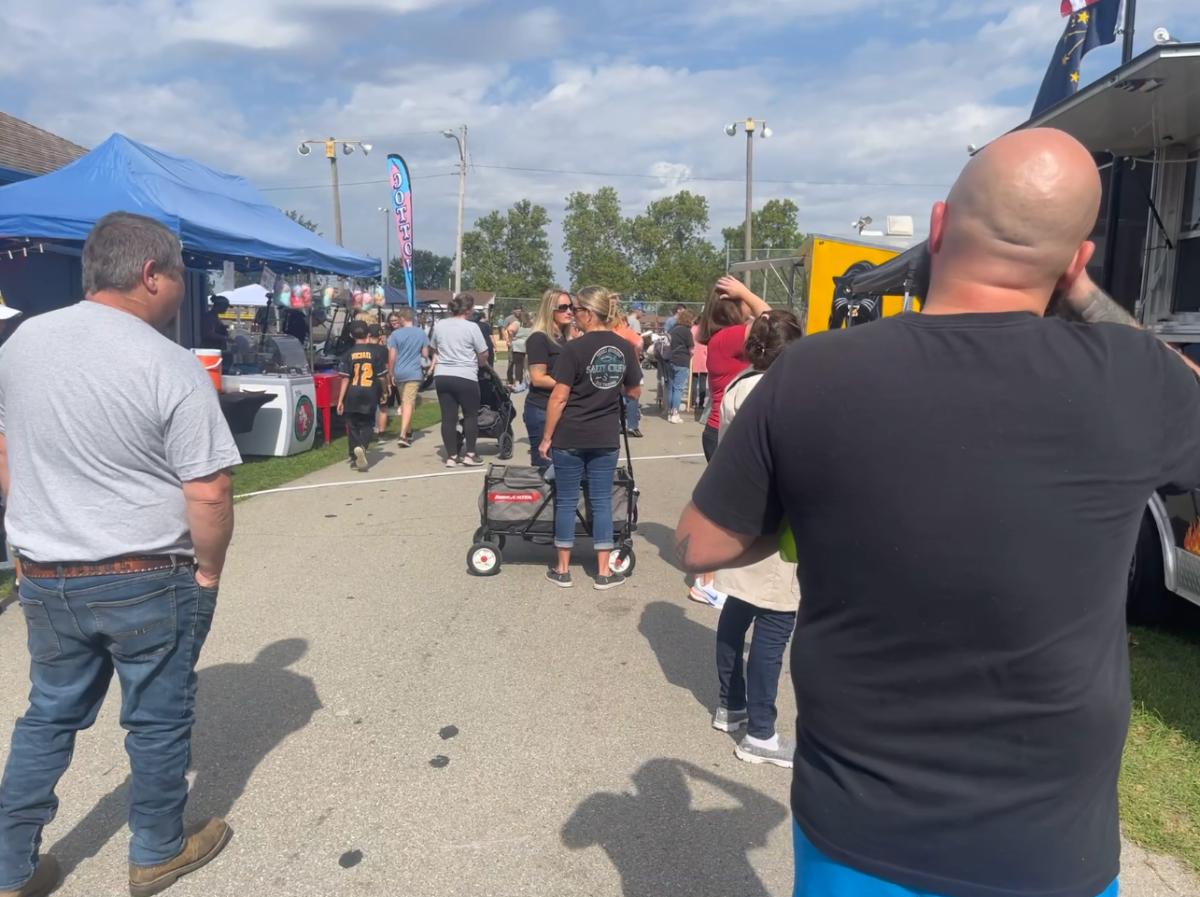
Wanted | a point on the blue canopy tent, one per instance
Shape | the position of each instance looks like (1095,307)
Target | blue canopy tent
(219,217)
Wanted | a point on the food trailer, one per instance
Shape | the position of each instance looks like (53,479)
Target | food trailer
(817,276)
(1145,118)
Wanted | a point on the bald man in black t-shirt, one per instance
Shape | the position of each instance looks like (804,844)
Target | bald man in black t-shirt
(960,659)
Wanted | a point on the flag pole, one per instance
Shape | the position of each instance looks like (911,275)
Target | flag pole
(1127,26)
(1116,180)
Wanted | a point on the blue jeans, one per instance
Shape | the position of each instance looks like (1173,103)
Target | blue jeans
(819,876)
(633,412)
(677,383)
(149,629)
(754,689)
(535,426)
(569,468)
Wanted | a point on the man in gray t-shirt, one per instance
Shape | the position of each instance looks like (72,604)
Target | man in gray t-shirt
(120,505)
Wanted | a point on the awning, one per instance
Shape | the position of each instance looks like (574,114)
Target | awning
(218,216)
(906,273)
(1147,104)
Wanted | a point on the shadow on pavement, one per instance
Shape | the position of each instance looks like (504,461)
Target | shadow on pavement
(243,712)
(662,845)
(686,650)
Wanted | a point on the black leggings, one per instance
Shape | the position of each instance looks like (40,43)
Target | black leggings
(708,440)
(454,393)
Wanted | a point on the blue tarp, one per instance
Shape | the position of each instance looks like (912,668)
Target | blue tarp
(218,216)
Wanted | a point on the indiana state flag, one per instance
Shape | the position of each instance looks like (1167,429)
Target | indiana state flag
(1090,24)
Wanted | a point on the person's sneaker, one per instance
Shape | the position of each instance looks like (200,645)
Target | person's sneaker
(753,751)
(604,583)
(706,594)
(562,580)
(404,442)
(452,462)
(470,461)
(201,846)
(42,882)
(674,418)
(360,459)
(726,720)
(635,433)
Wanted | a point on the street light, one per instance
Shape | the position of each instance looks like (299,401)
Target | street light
(462,195)
(387,254)
(750,125)
(331,154)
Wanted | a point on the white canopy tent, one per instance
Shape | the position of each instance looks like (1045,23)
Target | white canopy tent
(251,296)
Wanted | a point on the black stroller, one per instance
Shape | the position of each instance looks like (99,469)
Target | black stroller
(496,413)
(518,501)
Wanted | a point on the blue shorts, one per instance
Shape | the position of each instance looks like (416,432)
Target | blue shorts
(819,876)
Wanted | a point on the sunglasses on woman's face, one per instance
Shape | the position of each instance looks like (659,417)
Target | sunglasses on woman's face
(565,309)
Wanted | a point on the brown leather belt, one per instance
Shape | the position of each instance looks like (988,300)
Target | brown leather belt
(105,568)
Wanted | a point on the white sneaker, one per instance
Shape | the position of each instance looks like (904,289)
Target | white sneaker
(706,594)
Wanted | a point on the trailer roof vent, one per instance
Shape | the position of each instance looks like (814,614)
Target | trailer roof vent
(899,226)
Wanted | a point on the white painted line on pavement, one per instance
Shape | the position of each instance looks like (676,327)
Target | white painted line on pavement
(424,476)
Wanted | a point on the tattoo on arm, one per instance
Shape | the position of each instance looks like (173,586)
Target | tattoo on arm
(1096,307)
(681,551)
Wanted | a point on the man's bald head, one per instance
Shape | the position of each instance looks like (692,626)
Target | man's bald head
(1016,222)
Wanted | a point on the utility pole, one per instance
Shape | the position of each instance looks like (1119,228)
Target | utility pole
(1116,178)
(331,145)
(750,126)
(331,152)
(462,197)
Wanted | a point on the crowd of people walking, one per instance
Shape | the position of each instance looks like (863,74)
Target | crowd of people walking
(959,652)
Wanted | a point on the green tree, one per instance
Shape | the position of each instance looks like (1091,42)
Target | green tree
(509,253)
(430,270)
(776,234)
(306,223)
(672,258)
(596,240)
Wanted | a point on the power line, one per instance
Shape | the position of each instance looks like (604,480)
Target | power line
(660,177)
(614,174)
(326,186)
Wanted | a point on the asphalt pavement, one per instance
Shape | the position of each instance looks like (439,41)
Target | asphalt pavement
(373,720)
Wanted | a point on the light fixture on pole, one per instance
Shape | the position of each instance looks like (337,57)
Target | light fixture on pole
(462,195)
(331,145)
(387,244)
(750,126)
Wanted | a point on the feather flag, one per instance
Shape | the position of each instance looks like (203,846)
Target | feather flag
(402,211)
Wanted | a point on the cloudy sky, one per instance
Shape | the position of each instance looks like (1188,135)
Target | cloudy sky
(872,102)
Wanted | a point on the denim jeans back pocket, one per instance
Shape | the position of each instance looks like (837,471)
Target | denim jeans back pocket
(43,640)
(140,627)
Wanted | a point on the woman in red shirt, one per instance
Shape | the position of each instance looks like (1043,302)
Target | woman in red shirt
(724,324)
(726,320)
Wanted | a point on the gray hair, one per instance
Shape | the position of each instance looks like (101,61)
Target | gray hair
(120,244)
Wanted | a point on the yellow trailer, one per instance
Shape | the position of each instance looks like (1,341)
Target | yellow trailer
(812,274)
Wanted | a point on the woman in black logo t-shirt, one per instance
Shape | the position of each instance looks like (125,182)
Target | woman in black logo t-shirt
(583,424)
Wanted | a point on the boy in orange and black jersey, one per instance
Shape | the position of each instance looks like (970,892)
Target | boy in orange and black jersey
(364,369)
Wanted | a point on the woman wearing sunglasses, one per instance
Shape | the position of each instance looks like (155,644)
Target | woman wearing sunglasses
(583,425)
(551,330)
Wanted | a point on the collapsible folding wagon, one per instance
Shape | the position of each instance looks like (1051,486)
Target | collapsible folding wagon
(518,502)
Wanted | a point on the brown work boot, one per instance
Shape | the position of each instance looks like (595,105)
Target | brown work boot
(42,882)
(200,847)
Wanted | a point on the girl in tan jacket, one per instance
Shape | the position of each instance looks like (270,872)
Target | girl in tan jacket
(765,594)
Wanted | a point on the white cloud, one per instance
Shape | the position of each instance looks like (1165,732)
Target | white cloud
(888,112)
(672,174)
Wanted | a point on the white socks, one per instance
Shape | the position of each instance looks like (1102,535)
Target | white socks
(769,744)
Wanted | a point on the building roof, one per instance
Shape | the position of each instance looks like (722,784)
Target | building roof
(27,148)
